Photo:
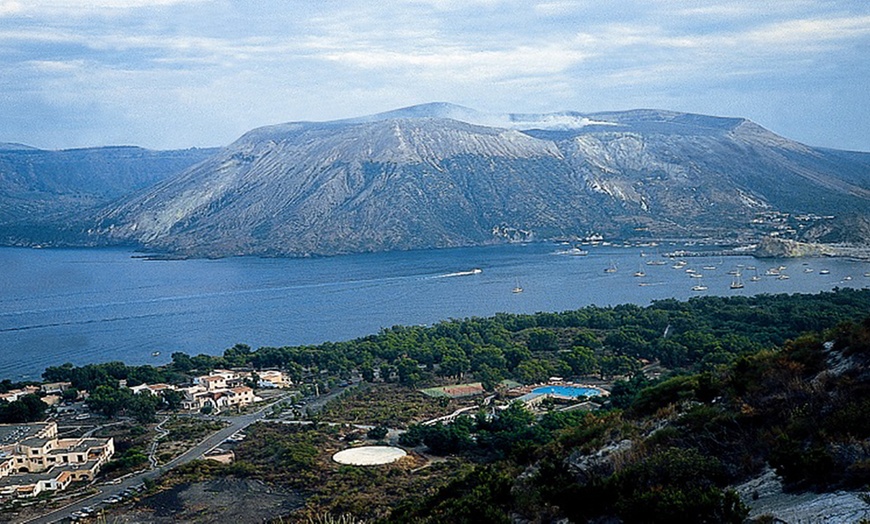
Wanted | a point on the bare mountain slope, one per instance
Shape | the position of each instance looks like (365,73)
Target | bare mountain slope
(420,177)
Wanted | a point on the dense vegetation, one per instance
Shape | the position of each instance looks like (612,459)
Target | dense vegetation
(699,334)
(670,455)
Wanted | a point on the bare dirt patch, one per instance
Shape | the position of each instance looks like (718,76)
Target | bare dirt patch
(219,500)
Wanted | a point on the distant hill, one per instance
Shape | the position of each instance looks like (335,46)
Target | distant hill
(46,195)
(440,175)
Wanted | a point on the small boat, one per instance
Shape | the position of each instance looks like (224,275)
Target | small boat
(640,272)
(782,276)
(655,262)
(737,283)
(699,288)
(155,354)
(755,277)
(517,288)
(825,272)
(611,268)
(709,268)
(696,275)
(808,270)
(847,278)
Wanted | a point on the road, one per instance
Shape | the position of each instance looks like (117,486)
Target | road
(212,441)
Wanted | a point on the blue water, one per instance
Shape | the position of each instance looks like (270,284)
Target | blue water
(566,391)
(98,305)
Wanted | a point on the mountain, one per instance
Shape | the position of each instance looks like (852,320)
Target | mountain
(43,194)
(440,175)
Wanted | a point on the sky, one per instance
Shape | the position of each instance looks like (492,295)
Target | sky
(171,74)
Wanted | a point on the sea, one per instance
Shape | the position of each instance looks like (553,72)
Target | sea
(98,305)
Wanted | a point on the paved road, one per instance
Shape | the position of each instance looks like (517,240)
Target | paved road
(109,490)
(235,424)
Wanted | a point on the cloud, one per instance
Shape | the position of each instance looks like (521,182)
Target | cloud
(10,7)
(259,61)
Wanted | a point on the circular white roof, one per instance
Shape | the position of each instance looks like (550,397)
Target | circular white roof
(369,455)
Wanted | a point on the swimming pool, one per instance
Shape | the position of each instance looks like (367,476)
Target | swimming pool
(566,391)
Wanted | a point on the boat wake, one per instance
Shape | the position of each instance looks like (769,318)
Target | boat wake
(475,271)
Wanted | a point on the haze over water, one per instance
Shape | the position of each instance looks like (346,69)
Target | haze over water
(85,306)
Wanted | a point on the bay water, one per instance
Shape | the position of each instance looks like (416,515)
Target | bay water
(97,305)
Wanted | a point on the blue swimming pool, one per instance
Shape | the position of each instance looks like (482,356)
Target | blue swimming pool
(566,391)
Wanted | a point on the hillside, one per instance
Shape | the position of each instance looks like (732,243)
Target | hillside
(44,193)
(439,175)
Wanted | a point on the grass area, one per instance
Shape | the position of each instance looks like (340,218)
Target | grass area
(455,391)
(390,405)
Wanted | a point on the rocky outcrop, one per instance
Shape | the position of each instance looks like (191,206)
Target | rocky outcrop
(852,229)
(772,247)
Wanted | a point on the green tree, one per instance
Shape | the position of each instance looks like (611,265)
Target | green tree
(377,433)
(543,340)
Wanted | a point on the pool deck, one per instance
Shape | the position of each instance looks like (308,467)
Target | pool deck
(526,393)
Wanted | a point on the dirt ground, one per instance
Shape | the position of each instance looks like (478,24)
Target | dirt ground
(220,500)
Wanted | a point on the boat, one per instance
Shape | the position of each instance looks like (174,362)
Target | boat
(825,272)
(517,288)
(709,268)
(475,271)
(782,276)
(696,275)
(737,283)
(656,262)
(755,277)
(573,252)
(640,272)
(611,268)
(155,354)
(699,288)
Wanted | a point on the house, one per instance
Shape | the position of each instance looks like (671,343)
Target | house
(55,388)
(33,459)
(272,378)
(152,389)
(15,394)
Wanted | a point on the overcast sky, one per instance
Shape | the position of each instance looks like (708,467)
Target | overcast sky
(184,73)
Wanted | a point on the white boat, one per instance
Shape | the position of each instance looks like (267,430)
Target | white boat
(155,354)
(640,272)
(611,268)
(699,288)
(782,276)
(737,283)
(696,275)
(517,288)
(825,272)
